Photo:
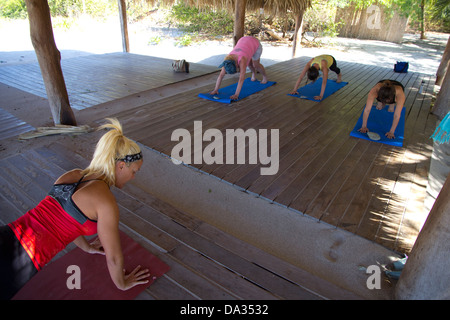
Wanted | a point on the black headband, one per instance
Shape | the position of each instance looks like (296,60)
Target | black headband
(131,157)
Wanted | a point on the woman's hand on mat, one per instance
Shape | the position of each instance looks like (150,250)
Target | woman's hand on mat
(135,277)
(363,130)
(234,97)
(95,247)
(214,92)
(390,135)
(294,91)
(317,97)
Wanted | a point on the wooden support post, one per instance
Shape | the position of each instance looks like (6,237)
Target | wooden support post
(124,25)
(296,43)
(443,66)
(49,59)
(239,20)
(426,275)
(442,105)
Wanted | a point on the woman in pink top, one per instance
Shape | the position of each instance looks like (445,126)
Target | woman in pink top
(246,53)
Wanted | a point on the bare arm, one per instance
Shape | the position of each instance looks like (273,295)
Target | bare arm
(302,75)
(219,81)
(242,70)
(370,97)
(108,232)
(400,101)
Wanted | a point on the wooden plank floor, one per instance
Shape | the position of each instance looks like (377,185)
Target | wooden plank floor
(205,262)
(95,79)
(11,126)
(367,188)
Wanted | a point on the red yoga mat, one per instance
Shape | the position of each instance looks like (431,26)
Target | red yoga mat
(54,280)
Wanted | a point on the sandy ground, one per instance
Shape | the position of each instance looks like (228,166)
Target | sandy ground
(87,36)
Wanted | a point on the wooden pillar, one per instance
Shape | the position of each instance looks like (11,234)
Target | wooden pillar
(443,66)
(442,104)
(124,25)
(49,59)
(426,275)
(296,43)
(239,20)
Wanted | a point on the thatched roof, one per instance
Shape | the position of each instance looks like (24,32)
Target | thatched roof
(279,7)
(275,7)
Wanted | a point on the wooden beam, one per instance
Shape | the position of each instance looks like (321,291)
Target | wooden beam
(239,20)
(124,25)
(49,58)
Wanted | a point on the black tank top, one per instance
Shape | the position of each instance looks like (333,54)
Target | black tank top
(395,83)
(63,192)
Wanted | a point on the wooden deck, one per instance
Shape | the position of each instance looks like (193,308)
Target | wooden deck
(95,79)
(368,188)
(205,262)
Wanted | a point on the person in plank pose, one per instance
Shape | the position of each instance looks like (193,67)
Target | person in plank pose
(80,203)
(386,92)
(246,53)
(322,63)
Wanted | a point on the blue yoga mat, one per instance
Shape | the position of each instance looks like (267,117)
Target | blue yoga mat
(380,121)
(248,88)
(313,89)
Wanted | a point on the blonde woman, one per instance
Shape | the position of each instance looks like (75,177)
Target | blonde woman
(80,203)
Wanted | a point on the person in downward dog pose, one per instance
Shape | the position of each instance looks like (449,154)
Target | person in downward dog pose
(80,203)
(322,63)
(386,92)
(246,53)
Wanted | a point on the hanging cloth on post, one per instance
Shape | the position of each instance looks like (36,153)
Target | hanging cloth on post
(442,132)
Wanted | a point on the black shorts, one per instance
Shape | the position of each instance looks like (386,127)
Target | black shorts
(16,267)
(334,67)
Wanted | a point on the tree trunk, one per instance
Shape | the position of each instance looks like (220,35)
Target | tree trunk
(49,58)
(239,20)
(442,104)
(124,25)
(422,20)
(443,66)
(296,43)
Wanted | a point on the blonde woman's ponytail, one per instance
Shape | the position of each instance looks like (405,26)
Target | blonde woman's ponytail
(113,146)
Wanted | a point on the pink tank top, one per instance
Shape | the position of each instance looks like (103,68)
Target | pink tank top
(246,47)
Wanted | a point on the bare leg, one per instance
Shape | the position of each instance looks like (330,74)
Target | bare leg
(259,67)
(252,69)
(391,107)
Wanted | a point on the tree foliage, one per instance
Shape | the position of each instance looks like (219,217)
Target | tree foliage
(192,19)
(437,12)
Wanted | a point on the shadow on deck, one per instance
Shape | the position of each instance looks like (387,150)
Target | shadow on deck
(271,247)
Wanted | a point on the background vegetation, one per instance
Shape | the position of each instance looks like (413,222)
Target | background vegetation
(319,20)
